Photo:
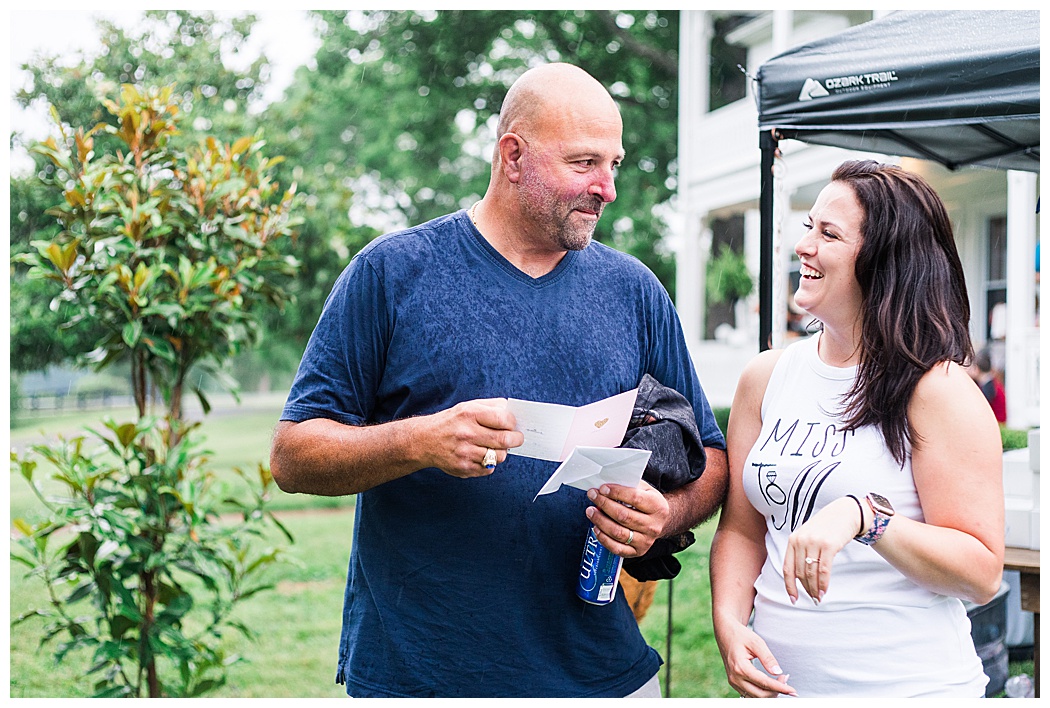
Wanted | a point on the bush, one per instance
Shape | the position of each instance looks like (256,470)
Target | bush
(1013,439)
(722,418)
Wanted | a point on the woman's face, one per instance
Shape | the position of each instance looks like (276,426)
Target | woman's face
(828,287)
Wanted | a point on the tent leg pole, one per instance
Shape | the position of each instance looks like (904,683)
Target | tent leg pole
(670,632)
(768,141)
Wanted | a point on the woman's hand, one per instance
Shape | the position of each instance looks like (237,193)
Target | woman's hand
(738,651)
(812,547)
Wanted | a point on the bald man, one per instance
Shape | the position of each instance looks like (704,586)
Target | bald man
(460,585)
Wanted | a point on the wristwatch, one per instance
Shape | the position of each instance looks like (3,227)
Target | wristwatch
(883,511)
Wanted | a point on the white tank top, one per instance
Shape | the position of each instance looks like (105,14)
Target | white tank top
(875,633)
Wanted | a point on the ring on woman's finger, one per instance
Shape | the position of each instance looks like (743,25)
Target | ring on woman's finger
(490,459)
(811,561)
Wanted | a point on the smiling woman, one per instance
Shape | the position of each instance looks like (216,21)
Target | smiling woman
(911,470)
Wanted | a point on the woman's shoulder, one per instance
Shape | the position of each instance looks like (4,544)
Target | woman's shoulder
(756,374)
(945,381)
(947,392)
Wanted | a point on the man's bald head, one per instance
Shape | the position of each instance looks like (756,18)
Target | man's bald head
(560,143)
(553,96)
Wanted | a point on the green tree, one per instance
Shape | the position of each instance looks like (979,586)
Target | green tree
(395,123)
(168,47)
(171,253)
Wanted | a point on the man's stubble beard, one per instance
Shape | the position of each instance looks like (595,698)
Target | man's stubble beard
(554,216)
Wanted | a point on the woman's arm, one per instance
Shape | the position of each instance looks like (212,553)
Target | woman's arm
(957,468)
(957,463)
(738,549)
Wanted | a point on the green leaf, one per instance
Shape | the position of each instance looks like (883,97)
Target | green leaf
(23,527)
(245,595)
(63,256)
(203,400)
(79,593)
(178,607)
(131,333)
(126,434)
(205,686)
(161,348)
(106,689)
(120,625)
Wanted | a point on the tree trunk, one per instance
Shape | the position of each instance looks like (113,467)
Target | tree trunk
(145,651)
(138,381)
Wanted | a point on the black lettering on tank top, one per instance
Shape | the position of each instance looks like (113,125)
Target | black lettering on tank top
(798,439)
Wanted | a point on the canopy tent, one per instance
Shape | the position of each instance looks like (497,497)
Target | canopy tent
(956,87)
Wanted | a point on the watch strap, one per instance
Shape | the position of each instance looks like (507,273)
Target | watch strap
(878,526)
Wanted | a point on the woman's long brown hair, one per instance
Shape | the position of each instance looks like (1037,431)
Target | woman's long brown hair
(915,311)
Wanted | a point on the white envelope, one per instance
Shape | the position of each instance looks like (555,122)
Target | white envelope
(591,467)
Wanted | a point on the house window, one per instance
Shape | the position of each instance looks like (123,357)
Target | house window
(728,83)
(727,233)
(995,280)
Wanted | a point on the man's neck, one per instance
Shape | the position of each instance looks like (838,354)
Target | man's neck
(504,233)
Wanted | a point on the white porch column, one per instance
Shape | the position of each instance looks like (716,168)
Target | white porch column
(783,21)
(689,278)
(1022,333)
(690,261)
(782,29)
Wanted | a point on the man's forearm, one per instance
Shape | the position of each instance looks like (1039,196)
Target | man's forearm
(327,458)
(696,502)
(321,456)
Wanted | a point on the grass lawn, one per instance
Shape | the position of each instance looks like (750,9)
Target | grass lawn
(298,623)
(693,660)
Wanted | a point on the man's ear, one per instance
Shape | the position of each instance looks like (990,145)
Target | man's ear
(511,150)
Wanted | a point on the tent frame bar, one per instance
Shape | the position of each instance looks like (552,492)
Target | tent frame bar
(768,142)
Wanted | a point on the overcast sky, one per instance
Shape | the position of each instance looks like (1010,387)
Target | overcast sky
(285,35)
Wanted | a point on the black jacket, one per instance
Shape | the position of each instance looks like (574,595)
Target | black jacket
(663,422)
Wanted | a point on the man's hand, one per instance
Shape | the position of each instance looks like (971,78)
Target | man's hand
(459,438)
(628,520)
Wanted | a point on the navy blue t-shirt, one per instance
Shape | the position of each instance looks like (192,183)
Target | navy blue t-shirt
(465,587)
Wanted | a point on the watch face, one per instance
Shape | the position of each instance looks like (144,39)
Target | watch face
(880,503)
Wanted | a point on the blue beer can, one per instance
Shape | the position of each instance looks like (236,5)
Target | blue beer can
(599,572)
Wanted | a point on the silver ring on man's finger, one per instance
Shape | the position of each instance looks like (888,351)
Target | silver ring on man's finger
(490,459)
(630,537)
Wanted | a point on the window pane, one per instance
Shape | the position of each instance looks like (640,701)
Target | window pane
(997,248)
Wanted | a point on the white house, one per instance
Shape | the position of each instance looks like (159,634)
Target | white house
(993,211)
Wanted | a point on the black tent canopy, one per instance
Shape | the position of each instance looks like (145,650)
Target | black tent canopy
(956,87)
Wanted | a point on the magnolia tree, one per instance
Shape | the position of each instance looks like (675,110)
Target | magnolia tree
(173,255)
